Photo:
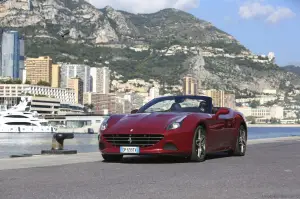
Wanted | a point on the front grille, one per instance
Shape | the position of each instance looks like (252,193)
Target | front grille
(142,140)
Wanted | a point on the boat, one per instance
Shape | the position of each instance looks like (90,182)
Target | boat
(19,119)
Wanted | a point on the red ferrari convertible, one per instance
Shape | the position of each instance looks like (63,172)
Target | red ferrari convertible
(174,125)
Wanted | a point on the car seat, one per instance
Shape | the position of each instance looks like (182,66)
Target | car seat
(175,107)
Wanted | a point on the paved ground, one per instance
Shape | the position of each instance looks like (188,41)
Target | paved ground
(269,170)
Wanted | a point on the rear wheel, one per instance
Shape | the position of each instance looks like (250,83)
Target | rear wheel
(241,143)
(112,158)
(199,145)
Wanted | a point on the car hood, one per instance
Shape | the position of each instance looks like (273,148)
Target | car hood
(142,122)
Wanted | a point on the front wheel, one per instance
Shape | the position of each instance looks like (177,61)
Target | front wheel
(112,158)
(199,145)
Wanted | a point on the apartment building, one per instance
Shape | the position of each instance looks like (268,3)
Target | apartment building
(100,80)
(107,103)
(218,97)
(190,85)
(55,81)
(75,70)
(76,84)
(39,69)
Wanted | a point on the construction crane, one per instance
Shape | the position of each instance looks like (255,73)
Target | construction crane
(64,33)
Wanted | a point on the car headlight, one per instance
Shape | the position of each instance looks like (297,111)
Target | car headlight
(103,125)
(176,124)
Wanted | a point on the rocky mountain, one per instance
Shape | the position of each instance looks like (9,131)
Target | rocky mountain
(292,68)
(162,46)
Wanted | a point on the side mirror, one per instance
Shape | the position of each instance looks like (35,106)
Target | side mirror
(222,111)
(134,111)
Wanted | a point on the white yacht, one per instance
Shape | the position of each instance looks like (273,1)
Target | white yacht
(19,119)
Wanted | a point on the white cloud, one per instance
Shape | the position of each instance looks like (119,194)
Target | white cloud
(146,6)
(270,13)
(280,13)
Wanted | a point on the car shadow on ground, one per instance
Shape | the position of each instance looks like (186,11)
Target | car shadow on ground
(165,159)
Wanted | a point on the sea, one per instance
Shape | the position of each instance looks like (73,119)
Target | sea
(32,143)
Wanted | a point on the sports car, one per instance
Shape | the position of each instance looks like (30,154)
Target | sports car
(174,125)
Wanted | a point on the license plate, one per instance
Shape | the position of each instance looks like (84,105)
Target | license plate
(129,149)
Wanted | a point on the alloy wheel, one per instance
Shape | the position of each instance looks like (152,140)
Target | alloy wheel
(242,140)
(200,143)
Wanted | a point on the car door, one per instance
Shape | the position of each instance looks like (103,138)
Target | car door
(215,133)
(228,130)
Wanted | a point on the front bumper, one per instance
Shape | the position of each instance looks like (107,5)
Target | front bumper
(172,143)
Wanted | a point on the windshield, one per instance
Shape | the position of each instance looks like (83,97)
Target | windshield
(178,104)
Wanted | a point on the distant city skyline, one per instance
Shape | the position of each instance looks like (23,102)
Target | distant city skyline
(75,70)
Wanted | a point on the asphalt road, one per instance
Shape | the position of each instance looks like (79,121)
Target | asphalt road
(269,170)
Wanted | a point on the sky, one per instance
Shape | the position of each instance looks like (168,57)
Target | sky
(262,26)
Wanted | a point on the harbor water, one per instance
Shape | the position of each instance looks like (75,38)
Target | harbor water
(33,143)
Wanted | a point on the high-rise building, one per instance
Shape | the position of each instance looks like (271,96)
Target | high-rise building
(100,78)
(190,85)
(75,70)
(39,69)
(22,57)
(217,97)
(229,100)
(10,66)
(77,84)
(55,82)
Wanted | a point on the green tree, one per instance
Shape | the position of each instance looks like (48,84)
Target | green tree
(43,83)
(254,104)
(271,103)
(27,82)
(17,81)
(11,81)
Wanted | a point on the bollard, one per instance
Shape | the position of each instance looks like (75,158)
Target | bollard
(58,144)
(58,140)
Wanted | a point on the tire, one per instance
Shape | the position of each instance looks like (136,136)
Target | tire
(199,145)
(241,143)
(112,158)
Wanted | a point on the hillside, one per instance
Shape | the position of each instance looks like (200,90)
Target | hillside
(292,69)
(162,46)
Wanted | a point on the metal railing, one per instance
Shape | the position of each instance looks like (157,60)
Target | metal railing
(28,129)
